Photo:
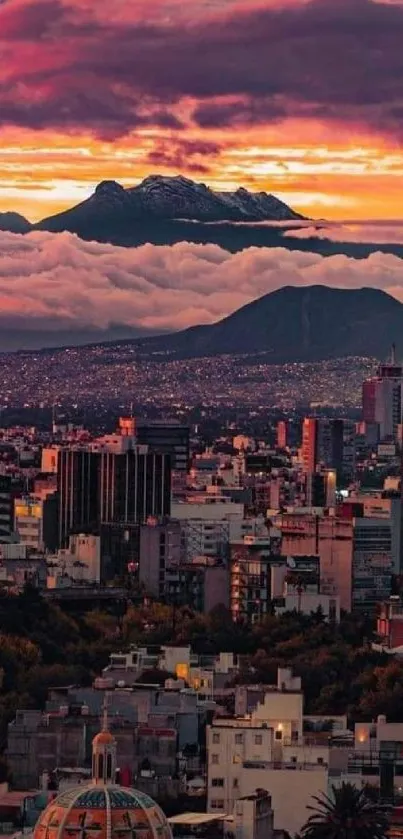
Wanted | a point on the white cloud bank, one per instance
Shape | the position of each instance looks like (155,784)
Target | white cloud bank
(56,281)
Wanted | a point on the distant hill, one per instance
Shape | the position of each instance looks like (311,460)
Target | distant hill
(296,324)
(310,323)
(14,223)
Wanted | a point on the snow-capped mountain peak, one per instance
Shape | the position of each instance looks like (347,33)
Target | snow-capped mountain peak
(166,198)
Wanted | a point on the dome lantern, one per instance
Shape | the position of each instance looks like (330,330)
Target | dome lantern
(104,752)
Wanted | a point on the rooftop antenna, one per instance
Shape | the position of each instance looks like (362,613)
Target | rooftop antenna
(393,354)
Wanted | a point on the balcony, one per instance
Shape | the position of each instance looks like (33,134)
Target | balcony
(306,766)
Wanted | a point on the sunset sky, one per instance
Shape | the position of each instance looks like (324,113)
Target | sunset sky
(301,98)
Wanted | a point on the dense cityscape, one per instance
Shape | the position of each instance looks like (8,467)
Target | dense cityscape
(222,584)
(118,375)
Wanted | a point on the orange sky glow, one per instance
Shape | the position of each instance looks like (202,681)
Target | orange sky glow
(80,102)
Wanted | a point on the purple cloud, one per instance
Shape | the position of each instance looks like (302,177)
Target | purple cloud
(338,60)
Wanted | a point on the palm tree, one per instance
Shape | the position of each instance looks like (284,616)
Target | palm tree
(347,814)
(298,582)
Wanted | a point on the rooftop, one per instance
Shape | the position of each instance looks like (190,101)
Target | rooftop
(196,818)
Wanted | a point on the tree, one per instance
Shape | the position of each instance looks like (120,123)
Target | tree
(298,582)
(348,814)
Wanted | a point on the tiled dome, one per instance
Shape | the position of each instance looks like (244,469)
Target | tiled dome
(102,812)
(102,809)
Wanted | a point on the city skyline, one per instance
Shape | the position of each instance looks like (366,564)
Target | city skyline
(86,98)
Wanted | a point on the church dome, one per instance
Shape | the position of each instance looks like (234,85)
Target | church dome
(102,812)
(103,809)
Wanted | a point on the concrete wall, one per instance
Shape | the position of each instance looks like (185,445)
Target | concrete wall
(290,789)
(280,710)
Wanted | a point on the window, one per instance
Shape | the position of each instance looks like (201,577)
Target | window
(320,760)
(279,735)
(238,739)
(214,759)
(258,739)
(217,782)
(235,783)
(217,804)
(216,738)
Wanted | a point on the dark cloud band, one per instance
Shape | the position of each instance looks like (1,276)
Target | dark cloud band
(339,60)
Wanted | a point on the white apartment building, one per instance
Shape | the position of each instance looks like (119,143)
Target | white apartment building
(262,750)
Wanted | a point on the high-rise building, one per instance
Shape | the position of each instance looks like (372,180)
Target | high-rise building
(250,575)
(282,434)
(330,538)
(382,398)
(78,491)
(6,509)
(166,437)
(111,488)
(329,443)
(372,563)
(321,488)
(134,486)
(309,444)
(288,433)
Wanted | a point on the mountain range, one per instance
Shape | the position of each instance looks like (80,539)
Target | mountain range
(164,210)
(310,323)
(157,198)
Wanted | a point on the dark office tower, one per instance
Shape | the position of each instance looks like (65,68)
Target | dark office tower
(78,492)
(321,489)
(6,510)
(288,434)
(134,486)
(166,437)
(329,443)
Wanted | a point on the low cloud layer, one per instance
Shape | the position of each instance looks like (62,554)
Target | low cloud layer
(378,233)
(57,282)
